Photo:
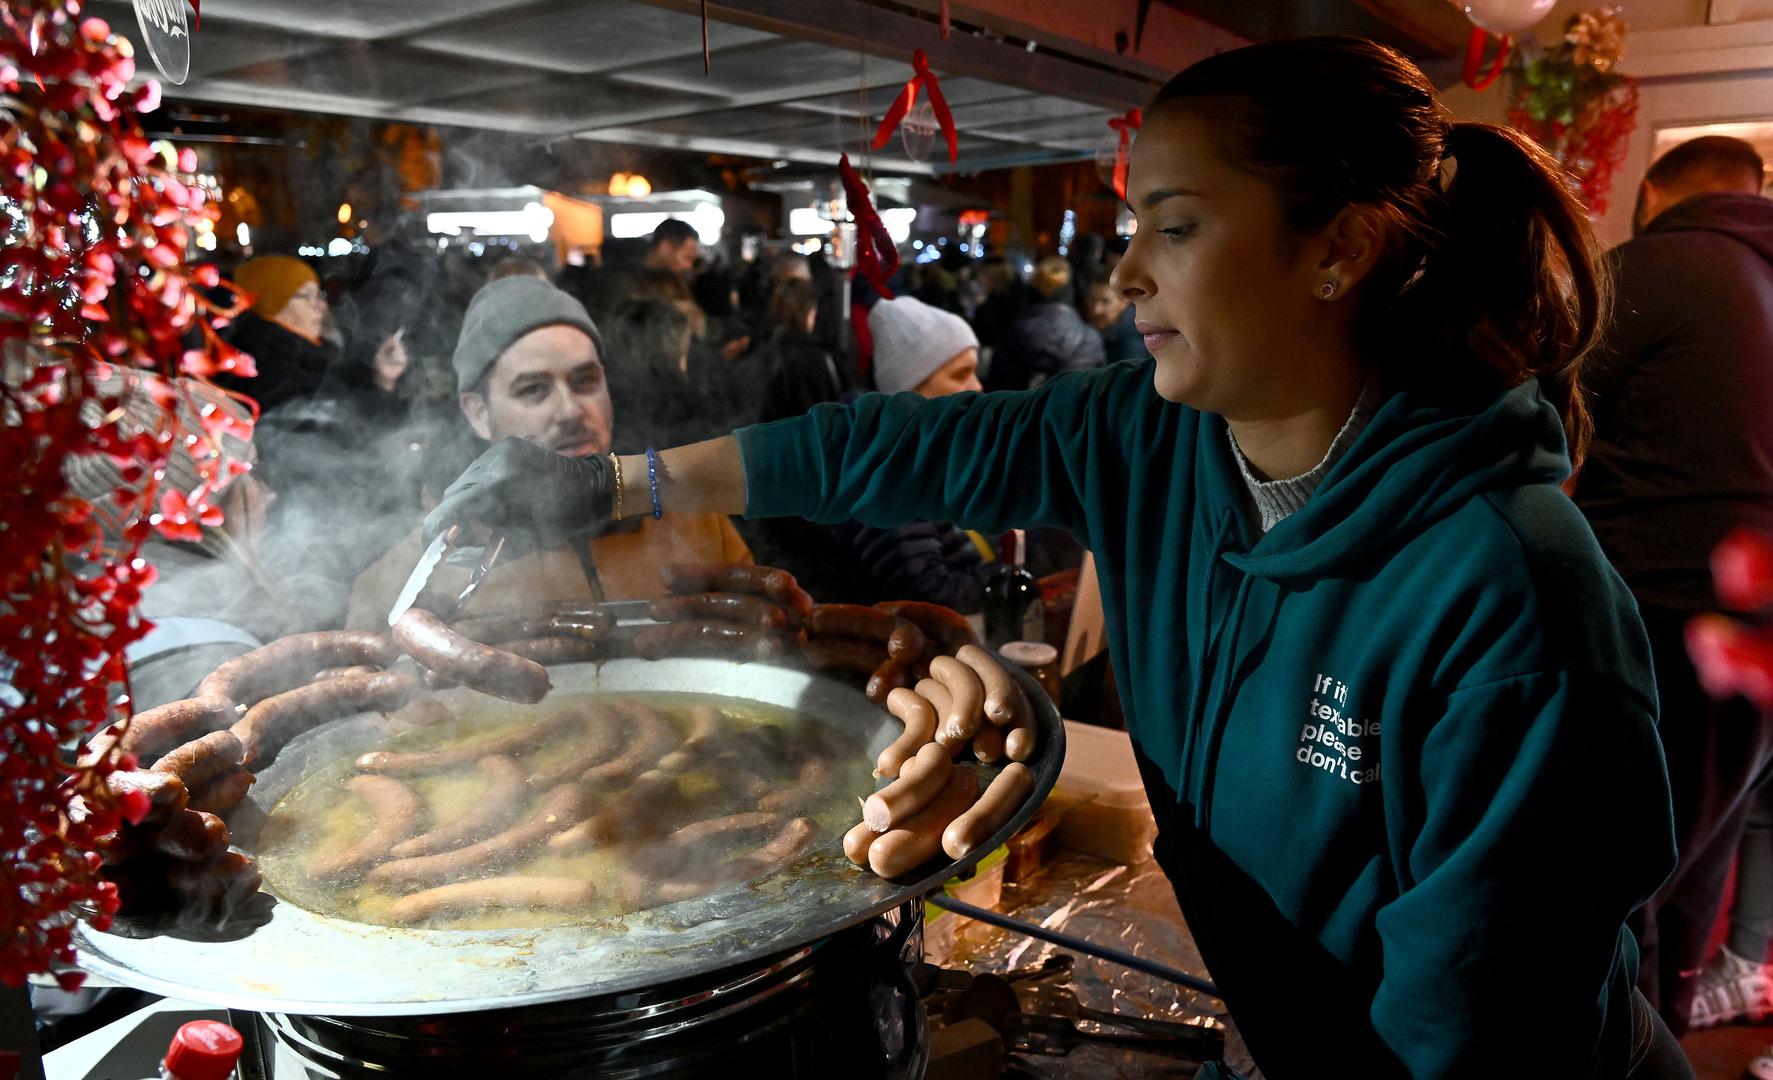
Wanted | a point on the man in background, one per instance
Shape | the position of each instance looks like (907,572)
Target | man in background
(1682,394)
(674,247)
(530,366)
(1048,339)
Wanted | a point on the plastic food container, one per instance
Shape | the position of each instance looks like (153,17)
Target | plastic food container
(1106,812)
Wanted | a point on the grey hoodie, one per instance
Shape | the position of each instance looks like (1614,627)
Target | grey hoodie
(1682,393)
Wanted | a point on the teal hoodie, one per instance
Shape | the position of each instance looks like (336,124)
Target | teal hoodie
(1402,749)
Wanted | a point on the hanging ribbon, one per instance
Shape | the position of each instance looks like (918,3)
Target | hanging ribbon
(945,24)
(877,257)
(926,79)
(1126,125)
(706,66)
(1474,74)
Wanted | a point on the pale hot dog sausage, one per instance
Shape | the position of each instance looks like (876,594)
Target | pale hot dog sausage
(905,849)
(920,781)
(919,717)
(1004,701)
(965,713)
(986,816)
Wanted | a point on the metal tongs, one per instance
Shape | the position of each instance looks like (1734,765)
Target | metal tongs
(478,558)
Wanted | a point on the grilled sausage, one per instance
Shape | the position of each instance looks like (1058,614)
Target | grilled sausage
(652,737)
(996,806)
(555,649)
(947,628)
(707,638)
(152,733)
(202,760)
(497,893)
(889,676)
(223,793)
(919,718)
(289,662)
(398,813)
(340,672)
(516,740)
(649,806)
(848,654)
(166,793)
(729,607)
(424,637)
(903,639)
(920,781)
(602,731)
(423,713)
(904,849)
(587,624)
(764,581)
(783,847)
(559,810)
(724,828)
(814,781)
(706,724)
(493,810)
(191,836)
(268,726)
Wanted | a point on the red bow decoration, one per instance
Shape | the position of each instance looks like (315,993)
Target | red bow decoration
(1474,74)
(908,97)
(1126,125)
(197,23)
(876,254)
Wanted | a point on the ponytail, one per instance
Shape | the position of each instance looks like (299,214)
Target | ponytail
(1490,274)
(1511,278)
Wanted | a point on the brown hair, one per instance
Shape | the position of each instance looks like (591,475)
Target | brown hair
(1716,160)
(1490,274)
(792,300)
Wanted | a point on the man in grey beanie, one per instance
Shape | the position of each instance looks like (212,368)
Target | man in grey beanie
(529,365)
(922,349)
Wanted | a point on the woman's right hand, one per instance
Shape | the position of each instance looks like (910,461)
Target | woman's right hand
(518,486)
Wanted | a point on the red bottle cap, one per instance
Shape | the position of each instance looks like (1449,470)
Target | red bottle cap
(203,1050)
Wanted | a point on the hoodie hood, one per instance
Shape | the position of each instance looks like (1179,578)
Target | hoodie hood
(1747,218)
(1418,461)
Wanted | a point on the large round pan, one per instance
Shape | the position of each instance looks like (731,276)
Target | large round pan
(278,957)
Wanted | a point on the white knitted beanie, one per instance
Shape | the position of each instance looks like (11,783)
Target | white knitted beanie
(912,340)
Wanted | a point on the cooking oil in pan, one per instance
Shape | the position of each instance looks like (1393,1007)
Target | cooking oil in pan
(769,764)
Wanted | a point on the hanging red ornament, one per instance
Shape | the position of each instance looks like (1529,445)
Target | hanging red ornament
(1473,73)
(946,27)
(877,257)
(1125,125)
(926,79)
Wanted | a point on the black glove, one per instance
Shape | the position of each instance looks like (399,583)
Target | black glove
(519,486)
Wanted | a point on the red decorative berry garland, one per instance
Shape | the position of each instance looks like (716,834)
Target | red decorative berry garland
(1574,102)
(93,284)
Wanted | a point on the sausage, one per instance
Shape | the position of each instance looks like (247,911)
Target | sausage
(889,676)
(966,712)
(988,744)
(586,624)
(946,627)
(225,792)
(653,736)
(988,815)
(936,694)
(764,581)
(166,794)
(920,781)
(423,713)
(192,836)
(153,732)
(493,810)
(202,760)
(1004,700)
(554,649)
(707,638)
(919,718)
(289,662)
(783,847)
(268,726)
(560,809)
(814,780)
(730,607)
(438,648)
(903,639)
(515,740)
(706,724)
(904,849)
(646,808)
(857,841)
(602,733)
(850,654)
(212,890)
(724,828)
(398,813)
(469,897)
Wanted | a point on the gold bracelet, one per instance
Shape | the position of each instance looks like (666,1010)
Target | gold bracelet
(616,464)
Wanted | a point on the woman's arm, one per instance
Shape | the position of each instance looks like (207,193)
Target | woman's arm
(702,478)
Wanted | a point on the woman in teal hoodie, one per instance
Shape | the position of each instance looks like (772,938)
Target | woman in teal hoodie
(1393,709)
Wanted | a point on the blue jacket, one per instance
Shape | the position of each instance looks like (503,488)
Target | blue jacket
(1402,748)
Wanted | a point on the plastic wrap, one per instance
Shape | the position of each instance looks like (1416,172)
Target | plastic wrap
(1129,907)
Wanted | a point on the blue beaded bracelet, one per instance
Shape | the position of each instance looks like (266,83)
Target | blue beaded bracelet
(652,479)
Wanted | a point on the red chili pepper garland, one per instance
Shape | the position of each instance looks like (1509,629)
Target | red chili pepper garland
(92,281)
(877,257)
